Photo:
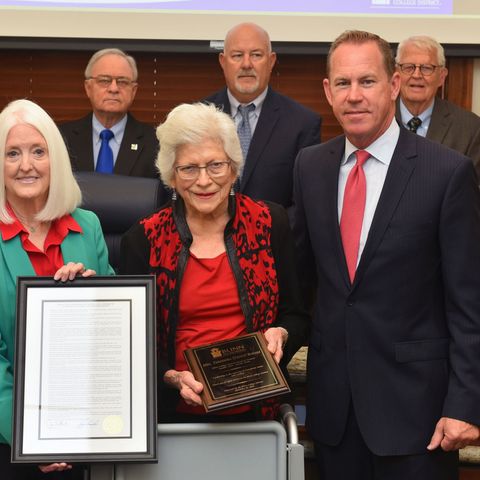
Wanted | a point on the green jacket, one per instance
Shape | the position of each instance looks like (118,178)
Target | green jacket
(88,248)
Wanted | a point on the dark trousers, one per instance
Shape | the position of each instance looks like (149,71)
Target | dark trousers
(352,460)
(10,471)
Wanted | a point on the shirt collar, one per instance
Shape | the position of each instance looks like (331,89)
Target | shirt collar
(425,116)
(61,225)
(382,148)
(117,129)
(10,230)
(67,224)
(234,103)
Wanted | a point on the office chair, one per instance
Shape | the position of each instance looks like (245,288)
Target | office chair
(119,201)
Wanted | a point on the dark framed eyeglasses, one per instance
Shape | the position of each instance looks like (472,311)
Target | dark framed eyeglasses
(214,170)
(426,69)
(105,81)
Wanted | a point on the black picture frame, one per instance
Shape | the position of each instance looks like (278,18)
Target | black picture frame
(85,370)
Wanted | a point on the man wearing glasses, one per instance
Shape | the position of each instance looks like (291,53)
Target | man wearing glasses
(110,139)
(421,63)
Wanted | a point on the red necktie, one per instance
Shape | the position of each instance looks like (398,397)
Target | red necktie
(352,211)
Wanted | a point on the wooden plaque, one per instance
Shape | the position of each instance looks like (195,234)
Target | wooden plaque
(236,371)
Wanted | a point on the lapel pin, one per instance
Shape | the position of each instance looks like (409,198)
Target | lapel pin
(134,146)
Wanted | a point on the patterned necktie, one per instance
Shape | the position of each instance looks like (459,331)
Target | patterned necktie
(105,155)
(244,131)
(413,124)
(352,211)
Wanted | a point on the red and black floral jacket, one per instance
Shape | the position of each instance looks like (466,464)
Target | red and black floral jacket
(260,251)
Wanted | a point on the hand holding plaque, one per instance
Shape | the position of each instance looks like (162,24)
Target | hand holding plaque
(236,371)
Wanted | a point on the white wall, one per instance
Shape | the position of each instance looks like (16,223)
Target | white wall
(89,23)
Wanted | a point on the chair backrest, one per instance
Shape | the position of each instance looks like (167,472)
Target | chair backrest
(119,201)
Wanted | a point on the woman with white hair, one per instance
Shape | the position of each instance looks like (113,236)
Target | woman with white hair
(42,232)
(224,263)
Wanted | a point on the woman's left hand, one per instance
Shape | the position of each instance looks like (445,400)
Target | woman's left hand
(55,467)
(71,270)
(276,338)
(186,384)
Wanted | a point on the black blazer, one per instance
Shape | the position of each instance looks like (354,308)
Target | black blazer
(137,154)
(403,341)
(283,128)
(454,127)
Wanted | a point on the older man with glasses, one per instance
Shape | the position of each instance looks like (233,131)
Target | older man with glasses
(421,62)
(110,139)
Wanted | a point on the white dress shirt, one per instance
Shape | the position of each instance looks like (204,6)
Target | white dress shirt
(375,169)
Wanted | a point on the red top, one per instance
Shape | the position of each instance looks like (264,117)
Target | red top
(209,311)
(44,263)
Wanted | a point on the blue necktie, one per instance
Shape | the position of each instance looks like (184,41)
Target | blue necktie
(244,131)
(105,155)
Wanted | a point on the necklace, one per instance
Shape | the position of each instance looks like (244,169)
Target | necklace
(31,227)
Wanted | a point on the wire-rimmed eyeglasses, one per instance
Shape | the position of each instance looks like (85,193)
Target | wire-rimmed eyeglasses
(105,81)
(214,170)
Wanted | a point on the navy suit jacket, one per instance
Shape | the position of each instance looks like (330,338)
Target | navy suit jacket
(454,127)
(138,161)
(402,343)
(283,128)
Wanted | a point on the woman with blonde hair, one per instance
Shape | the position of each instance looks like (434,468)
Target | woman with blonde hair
(42,232)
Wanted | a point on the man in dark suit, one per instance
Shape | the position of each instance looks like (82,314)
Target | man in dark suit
(111,84)
(279,126)
(421,62)
(393,249)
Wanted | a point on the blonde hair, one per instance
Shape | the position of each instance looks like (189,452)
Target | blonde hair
(64,194)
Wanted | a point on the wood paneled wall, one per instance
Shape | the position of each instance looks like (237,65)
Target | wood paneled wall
(54,79)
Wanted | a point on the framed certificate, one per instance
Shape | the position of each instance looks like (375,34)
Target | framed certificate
(236,371)
(85,370)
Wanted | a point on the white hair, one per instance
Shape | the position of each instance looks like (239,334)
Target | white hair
(64,194)
(189,124)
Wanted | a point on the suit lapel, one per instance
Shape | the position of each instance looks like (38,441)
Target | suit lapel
(222,102)
(398,175)
(130,148)
(440,122)
(329,191)
(83,143)
(265,126)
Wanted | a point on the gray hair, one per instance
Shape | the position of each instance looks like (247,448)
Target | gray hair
(252,26)
(64,194)
(423,42)
(189,124)
(111,51)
